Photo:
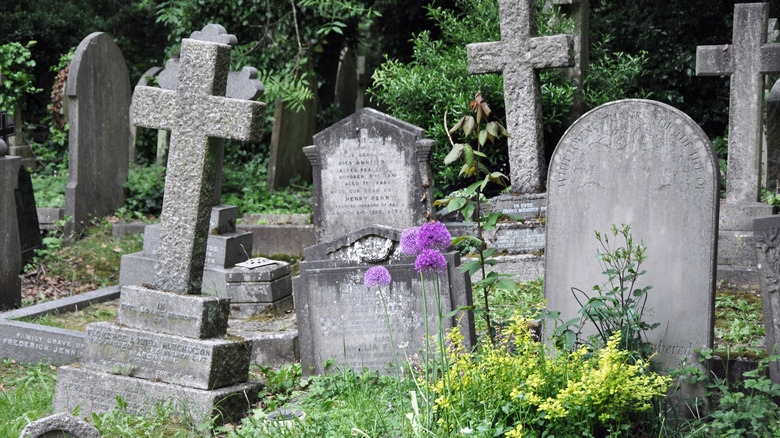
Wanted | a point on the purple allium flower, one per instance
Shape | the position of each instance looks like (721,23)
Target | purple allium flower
(376,276)
(409,241)
(430,260)
(433,236)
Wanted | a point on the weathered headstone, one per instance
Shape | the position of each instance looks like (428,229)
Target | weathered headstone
(772,148)
(650,166)
(369,169)
(145,80)
(346,82)
(745,60)
(362,83)
(171,337)
(767,237)
(519,55)
(292,131)
(10,248)
(30,238)
(339,318)
(62,425)
(99,100)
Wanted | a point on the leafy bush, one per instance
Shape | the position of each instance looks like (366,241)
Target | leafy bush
(16,66)
(144,189)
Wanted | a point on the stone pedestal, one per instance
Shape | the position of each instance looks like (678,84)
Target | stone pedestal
(251,291)
(737,262)
(164,348)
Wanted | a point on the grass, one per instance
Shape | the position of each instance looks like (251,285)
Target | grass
(26,394)
(79,319)
(739,324)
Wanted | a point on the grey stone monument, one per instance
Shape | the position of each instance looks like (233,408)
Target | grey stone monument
(772,148)
(340,319)
(579,12)
(745,60)
(98,90)
(347,82)
(648,165)
(767,237)
(169,344)
(61,425)
(10,248)
(369,169)
(145,80)
(519,55)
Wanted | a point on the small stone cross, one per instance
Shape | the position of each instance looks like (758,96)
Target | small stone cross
(198,115)
(6,129)
(518,55)
(746,60)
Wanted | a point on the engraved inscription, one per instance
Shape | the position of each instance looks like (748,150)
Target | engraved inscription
(53,346)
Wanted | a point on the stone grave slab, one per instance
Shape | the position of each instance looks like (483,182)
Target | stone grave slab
(519,55)
(767,238)
(368,169)
(198,115)
(98,91)
(62,425)
(10,248)
(645,164)
(337,313)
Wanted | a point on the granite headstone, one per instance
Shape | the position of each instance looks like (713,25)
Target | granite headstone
(98,90)
(369,169)
(340,319)
(519,55)
(767,237)
(648,165)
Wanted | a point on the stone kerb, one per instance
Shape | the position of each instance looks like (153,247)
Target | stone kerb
(645,164)
(98,89)
(519,55)
(368,169)
(338,315)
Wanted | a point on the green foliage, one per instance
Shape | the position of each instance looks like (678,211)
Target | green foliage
(16,65)
(617,306)
(49,187)
(613,76)
(739,322)
(281,385)
(26,394)
(522,388)
(144,189)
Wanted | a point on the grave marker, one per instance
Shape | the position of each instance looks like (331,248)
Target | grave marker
(10,248)
(745,60)
(519,55)
(369,169)
(60,425)
(98,89)
(169,343)
(767,237)
(650,166)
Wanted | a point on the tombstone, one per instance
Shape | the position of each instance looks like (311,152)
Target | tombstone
(252,290)
(292,130)
(369,169)
(648,165)
(769,154)
(30,238)
(62,425)
(362,83)
(145,80)
(340,319)
(169,343)
(745,60)
(99,97)
(772,149)
(767,237)
(519,55)
(10,248)
(346,82)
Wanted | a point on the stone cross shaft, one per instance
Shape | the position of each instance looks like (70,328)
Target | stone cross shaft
(746,60)
(198,115)
(518,55)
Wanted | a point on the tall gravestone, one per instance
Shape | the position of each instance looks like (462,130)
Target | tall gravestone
(519,55)
(650,166)
(745,60)
(346,91)
(340,319)
(772,147)
(767,237)
(169,344)
(369,169)
(10,249)
(98,93)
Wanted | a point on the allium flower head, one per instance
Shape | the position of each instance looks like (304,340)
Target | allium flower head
(433,236)
(409,241)
(430,260)
(376,276)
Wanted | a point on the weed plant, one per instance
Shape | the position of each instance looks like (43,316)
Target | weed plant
(26,394)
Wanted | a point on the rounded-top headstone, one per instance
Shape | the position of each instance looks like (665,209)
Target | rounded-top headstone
(60,425)
(648,165)
(3,148)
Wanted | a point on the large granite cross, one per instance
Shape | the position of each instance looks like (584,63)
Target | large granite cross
(746,60)
(518,55)
(6,129)
(198,115)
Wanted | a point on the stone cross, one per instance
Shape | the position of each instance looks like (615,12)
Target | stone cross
(198,115)
(745,60)
(518,55)
(6,129)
